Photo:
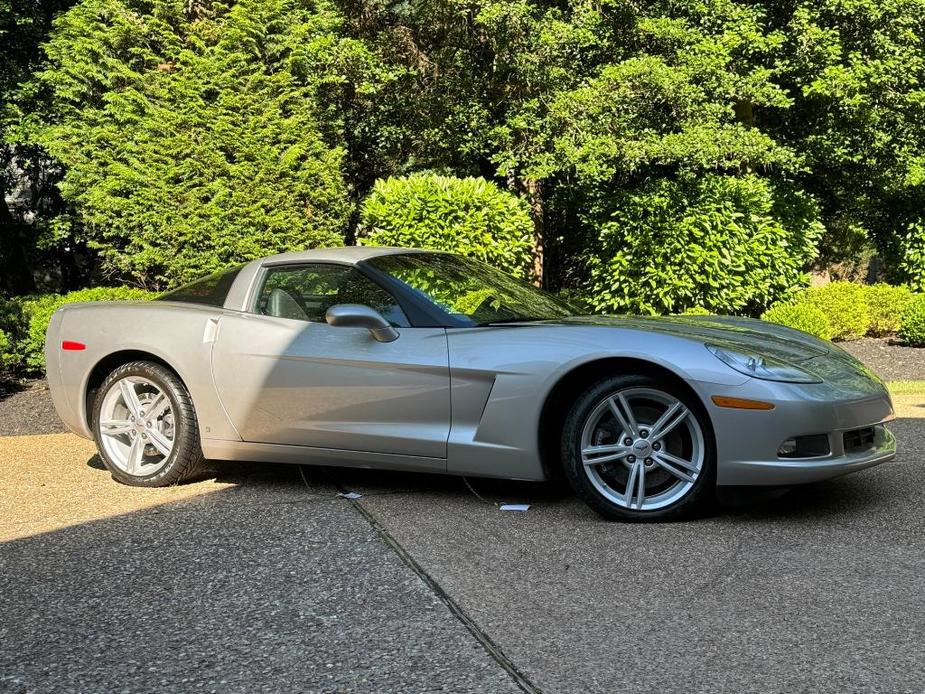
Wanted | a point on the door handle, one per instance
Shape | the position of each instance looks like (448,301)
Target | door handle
(211,331)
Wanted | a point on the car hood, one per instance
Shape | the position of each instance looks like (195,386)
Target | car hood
(755,336)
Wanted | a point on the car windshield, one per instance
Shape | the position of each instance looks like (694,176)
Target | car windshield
(471,292)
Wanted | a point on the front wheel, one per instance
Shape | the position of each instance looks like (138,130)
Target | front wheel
(639,448)
(145,426)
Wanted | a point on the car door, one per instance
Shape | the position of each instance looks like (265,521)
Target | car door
(287,377)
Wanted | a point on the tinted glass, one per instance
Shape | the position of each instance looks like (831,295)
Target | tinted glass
(306,292)
(211,290)
(471,292)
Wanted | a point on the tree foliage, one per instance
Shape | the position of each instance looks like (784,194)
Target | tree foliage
(195,134)
(726,244)
(190,144)
(470,216)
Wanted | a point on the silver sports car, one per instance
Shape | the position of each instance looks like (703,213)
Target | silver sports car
(418,360)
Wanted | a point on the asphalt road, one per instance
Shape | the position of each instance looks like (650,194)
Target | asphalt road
(274,583)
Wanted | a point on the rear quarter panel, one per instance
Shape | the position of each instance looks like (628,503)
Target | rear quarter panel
(178,334)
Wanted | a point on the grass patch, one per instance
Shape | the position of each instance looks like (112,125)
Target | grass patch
(906,387)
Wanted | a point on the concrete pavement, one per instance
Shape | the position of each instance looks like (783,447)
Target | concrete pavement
(264,581)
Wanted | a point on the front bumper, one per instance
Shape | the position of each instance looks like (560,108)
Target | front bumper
(747,441)
(782,471)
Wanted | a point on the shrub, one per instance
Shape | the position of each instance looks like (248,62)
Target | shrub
(37,312)
(695,311)
(913,323)
(800,315)
(886,305)
(6,356)
(727,244)
(912,262)
(845,306)
(469,216)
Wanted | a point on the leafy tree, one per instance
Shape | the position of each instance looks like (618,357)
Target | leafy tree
(855,70)
(191,134)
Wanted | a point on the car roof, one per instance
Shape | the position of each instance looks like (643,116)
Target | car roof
(237,296)
(343,254)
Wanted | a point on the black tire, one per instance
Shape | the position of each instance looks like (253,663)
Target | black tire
(698,498)
(186,458)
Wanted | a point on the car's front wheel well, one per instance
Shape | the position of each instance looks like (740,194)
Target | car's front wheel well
(567,389)
(106,366)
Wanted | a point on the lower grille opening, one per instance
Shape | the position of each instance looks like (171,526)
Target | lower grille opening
(814,446)
(859,440)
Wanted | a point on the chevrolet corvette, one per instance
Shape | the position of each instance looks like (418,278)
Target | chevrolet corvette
(419,360)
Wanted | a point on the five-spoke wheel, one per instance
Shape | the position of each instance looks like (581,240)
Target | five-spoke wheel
(637,448)
(145,426)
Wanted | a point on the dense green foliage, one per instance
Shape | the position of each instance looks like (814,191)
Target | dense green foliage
(669,154)
(470,216)
(721,243)
(845,305)
(25,321)
(801,315)
(6,356)
(885,305)
(913,322)
(913,256)
(193,145)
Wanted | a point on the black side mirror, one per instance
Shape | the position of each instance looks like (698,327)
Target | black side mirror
(359,316)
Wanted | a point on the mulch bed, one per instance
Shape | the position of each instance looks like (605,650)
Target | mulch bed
(890,359)
(25,408)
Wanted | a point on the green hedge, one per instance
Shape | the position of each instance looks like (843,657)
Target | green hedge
(845,310)
(913,322)
(24,321)
(728,244)
(845,305)
(469,216)
(886,305)
(801,315)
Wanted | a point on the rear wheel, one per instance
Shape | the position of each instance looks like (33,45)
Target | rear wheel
(145,426)
(639,448)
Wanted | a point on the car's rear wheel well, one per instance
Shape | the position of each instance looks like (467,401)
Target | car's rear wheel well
(107,365)
(567,389)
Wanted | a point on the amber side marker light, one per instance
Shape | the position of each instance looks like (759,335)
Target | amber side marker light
(741,403)
(71,346)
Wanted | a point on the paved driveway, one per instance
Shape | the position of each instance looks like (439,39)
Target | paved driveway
(265,581)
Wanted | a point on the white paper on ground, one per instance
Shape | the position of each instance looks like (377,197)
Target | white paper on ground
(351,495)
(515,507)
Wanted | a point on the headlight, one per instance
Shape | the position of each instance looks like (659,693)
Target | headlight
(765,368)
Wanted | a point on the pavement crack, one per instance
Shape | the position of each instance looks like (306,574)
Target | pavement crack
(491,648)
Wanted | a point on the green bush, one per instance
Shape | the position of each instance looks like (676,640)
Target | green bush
(800,315)
(37,312)
(6,356)
(912,261)
(695,311)
(913,323)
(728,244)
(469,216)
(845,306)
(886,305)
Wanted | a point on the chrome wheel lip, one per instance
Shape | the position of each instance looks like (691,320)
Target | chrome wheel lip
(623,451)
(137,430)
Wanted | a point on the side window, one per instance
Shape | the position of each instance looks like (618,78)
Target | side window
(306,292)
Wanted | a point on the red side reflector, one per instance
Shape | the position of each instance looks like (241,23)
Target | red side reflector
(72,346)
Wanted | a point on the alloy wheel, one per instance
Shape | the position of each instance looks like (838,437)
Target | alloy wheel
(642,448)
(136,426)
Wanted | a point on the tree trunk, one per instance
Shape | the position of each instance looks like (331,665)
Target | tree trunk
(535,198)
